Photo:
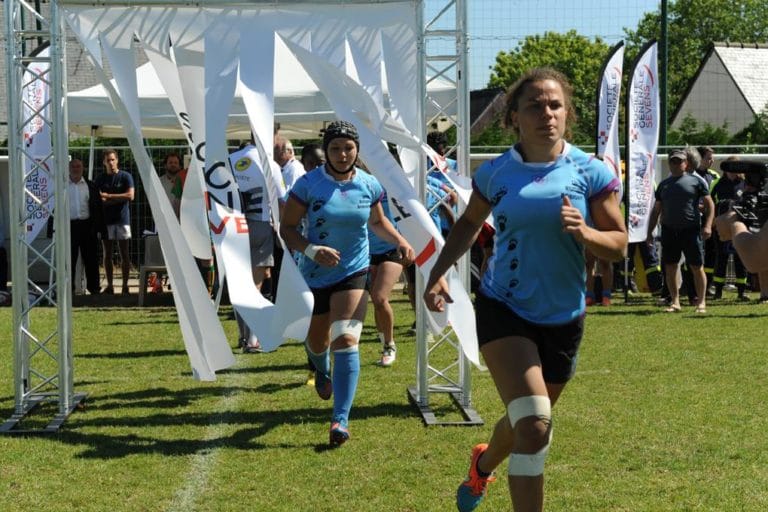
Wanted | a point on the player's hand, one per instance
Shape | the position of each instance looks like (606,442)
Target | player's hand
(436,295)
(572,220)
(324,255)
(406,252)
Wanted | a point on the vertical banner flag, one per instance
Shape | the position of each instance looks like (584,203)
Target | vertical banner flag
(608,94)
(643,117)
(37,141)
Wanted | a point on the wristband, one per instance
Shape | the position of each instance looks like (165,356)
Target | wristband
(311,251)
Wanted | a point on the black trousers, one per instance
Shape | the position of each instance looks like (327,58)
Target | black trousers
(3,269)
(84,242)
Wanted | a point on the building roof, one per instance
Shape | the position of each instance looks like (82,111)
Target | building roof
(730,87)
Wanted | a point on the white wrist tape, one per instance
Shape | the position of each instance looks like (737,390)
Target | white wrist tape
(311,251)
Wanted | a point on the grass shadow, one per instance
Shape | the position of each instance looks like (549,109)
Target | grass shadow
(132,355)
(255,425)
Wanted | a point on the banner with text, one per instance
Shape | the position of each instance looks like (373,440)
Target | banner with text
(643,118)
(608,101)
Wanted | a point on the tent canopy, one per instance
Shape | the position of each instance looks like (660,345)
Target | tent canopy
(300,108)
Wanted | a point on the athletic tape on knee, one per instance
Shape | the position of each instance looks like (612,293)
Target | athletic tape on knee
(533,405)
(530,464)
(351,327)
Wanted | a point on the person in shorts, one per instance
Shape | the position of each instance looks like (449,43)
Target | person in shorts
(550,201)
(683,227)
(116,189)
(339,203)
(256,190)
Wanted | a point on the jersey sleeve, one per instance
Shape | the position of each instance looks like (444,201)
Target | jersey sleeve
(704,188)
(300,191)
(480,181)
(377,191)
(603,181)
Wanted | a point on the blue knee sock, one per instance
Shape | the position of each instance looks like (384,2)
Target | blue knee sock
(346,370)
(322,361)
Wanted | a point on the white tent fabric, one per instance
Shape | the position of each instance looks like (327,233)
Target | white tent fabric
(300,107)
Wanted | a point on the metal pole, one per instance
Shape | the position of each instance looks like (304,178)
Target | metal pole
(91,152)
(663,72)
(462,140)
(61,220)
(20,301)
(422,355)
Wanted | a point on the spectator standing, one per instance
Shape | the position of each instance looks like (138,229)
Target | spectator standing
(312,156)
(729,188)
(116,190)
(255,194)
(683,229)
(705,171)
(86,224)
(171,179)
(290,168)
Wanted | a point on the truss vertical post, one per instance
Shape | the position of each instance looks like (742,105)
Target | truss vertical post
(441,366)
(42,352)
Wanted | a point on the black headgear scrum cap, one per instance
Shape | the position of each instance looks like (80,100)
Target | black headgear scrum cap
(340,129)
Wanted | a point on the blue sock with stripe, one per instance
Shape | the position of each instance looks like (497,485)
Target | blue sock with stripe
(346,370)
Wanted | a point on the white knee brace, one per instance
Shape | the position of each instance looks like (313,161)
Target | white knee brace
(349,327)
(530,464)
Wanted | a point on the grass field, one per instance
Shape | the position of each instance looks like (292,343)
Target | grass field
(666,413)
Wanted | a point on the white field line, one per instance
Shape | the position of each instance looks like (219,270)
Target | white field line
(203,462)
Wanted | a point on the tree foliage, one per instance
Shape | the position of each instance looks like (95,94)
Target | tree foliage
(578,57)
(693,133)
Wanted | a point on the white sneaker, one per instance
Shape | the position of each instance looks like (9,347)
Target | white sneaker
(388,355)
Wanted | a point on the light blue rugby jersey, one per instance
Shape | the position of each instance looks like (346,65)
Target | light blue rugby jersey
(337,216)
(536,269)
(378,245)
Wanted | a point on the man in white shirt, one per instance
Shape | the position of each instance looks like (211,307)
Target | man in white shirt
(259,193)
(85,222)
(290,168)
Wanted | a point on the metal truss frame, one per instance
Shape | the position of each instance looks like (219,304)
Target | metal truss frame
(441,366)
(43,371)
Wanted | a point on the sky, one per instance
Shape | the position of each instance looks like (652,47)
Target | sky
(499,25)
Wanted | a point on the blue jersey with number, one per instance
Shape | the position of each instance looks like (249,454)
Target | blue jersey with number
(536,269)
(378,245)
(337,217)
